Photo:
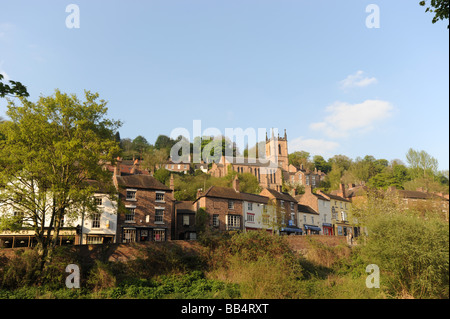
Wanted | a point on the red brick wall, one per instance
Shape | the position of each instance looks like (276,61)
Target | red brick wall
(219,206)
(145,205)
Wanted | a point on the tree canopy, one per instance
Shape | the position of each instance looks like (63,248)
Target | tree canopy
(51,149)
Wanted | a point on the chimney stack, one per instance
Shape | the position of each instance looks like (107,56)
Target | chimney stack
(117,171)
(236,184)
(342,190)
(172,185)
(308,189)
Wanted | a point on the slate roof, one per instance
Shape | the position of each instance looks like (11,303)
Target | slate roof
(141,181)
(230,193)
(281,196)
(306,209)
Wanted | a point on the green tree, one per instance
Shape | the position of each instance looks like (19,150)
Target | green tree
(421,164)
(162,175)
(140,145)
(300,158)
(52,148)
(440,8)
(321,164)
(13,89)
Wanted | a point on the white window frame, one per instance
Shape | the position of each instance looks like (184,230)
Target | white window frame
(96,220)
(185,220)
(128,219)
(233,221)
(215,220)
(156,196)
(159,218)
(129,190)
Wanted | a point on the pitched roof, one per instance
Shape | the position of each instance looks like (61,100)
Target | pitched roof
(336,197)
(221,192)
(141,181)
(418,195)
(185,207)
(281,196)
(306,209)
(254,198)
(230,193)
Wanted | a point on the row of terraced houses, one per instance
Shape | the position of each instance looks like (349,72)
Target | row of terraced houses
(143,209)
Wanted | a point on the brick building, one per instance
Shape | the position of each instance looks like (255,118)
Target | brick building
(146,208)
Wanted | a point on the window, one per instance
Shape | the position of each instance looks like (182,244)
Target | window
(234,221)
(216,220)
(250,217)
(94,240)
(250,206)
(186,220)
(279,149)
(98,201)
(230,204)
(292,206)
(159,215)
(129,215)
(265,219)
(312,220)
(324,218)
(131,195)
(304,218)
(129,235)
(159,197)
(96,221)
(343,216)
(159,235)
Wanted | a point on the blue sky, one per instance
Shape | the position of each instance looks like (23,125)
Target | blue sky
(312,68)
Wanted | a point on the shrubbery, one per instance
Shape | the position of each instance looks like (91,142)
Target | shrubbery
(412,254)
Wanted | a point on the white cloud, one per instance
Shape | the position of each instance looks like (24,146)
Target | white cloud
(357,80)
(313,146)
(346,119)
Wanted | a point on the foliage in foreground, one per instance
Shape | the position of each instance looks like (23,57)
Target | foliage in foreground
(412,255)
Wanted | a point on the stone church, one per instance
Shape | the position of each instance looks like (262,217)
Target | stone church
(272,169)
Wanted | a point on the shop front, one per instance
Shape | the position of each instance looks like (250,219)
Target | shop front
(312,229)
(327,229)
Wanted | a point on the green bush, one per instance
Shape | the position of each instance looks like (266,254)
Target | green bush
(412,254)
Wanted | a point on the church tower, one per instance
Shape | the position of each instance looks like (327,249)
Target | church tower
(277,150)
